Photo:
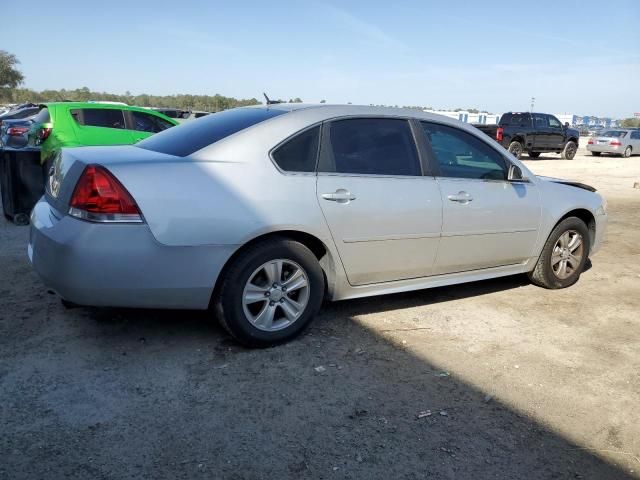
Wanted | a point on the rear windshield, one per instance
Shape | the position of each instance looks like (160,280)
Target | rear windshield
(613,133)
(197,134)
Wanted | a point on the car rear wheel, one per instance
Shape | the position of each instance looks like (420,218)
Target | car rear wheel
(596,154)
(516,149)
(270,293)
(534,154)
(627,152)
(570,150)
(563,256)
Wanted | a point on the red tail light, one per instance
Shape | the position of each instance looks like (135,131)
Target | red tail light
(615,143)
(100,197)
(590,142)
(499,134)
(43,134)
(16,131)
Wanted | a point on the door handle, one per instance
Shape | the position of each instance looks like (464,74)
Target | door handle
(341,196)
(461,197)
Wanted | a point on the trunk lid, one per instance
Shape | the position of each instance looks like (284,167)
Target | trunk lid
(69,163)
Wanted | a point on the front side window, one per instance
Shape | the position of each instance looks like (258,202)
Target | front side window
(554,122)
(299,153)
(460,154)
(372,146)
(99,117)
(146,122)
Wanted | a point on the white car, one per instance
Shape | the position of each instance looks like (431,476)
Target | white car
(261,212)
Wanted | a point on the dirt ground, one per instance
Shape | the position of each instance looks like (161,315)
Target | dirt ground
(520,382)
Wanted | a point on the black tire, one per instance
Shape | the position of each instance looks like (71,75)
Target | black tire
(534,154)
(627,152)
(228,303)
(596,154)
(543,274)
(21,219)
(569,151)
(515,149)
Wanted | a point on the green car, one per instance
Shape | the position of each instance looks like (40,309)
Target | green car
(78,124)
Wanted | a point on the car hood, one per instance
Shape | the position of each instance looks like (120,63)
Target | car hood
(571,183)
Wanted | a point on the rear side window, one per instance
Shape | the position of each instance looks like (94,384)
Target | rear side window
(99,117)
(372,146)
(193,136)
(146,122)
(299,153)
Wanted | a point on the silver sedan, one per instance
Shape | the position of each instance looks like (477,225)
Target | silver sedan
(260,213)
(617,141)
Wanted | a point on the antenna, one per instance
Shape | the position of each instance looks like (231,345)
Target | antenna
(269,101)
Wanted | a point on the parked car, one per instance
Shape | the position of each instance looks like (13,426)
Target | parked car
(74,124)
(261,212)
(14,133)
(18,113)
(620,141)
(534,133)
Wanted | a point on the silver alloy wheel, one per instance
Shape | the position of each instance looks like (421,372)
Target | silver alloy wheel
(567,254)
(570,150)
(627,152)
(276,295)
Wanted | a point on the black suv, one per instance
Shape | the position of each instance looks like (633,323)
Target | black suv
(534,133)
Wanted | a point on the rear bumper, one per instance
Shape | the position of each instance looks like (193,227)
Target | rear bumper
(120,265)
(605,148)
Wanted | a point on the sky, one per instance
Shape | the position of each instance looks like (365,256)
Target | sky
(580,57)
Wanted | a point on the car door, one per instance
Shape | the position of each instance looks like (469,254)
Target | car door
(542,133)
(487,221)
(384,216)
(101,126)
(556,132)
(635,142)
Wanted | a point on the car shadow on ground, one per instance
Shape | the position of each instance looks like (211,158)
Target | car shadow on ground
(167,394)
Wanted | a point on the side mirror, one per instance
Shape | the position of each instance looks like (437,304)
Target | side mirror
(515,174)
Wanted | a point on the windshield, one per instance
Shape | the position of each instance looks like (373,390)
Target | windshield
(197,134)
(614,133)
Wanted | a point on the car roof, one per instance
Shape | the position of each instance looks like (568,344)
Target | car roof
(106,106)
(326,111)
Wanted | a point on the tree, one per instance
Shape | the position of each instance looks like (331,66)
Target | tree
(630,122)
(10,76)
(323,101)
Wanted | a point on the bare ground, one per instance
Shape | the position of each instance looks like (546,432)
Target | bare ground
(521,382)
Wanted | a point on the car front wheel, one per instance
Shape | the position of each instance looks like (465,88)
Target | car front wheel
(563,256)
(270,293)
(570,150)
